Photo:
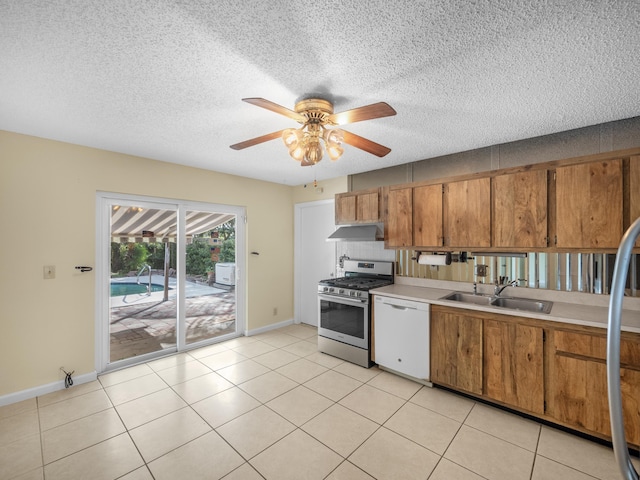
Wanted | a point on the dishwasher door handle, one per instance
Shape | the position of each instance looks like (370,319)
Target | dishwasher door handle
(400,307)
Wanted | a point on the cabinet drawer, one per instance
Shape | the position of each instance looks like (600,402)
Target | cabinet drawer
(595,347)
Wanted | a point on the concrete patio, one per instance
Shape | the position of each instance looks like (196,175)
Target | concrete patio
(143,323)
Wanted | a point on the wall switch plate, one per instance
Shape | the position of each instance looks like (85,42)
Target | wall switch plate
(481,270)
(49,272)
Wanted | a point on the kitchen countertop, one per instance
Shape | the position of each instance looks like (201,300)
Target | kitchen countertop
(562,311)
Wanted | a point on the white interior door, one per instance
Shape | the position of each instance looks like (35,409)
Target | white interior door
(315,258)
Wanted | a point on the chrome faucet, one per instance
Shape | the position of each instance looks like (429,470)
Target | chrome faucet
(499,288)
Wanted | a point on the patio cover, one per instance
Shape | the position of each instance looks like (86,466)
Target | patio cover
(137,224)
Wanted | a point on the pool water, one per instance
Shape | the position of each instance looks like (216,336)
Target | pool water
(126,288)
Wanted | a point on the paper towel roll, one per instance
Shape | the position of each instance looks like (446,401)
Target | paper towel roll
(434,259)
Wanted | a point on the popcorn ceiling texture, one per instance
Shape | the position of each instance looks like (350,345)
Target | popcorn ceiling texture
(165,79)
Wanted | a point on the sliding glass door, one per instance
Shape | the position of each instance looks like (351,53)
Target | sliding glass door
(142,313)
(210,296)
(167,277)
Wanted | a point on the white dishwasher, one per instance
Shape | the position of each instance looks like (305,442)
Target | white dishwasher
(402,336)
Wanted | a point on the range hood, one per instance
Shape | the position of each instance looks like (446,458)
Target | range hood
(356,233)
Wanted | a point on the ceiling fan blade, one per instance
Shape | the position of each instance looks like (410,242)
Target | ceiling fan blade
(257,140)
(368,112)
(274,107)
(364,144)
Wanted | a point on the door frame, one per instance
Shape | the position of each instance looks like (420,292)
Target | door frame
(103,270)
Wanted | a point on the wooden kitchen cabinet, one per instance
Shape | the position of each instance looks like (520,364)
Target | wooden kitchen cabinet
(358,207)
(456,214)
(519,210)
(552,370)
(513,358)
(577,382)
(467,213)
(456,349)
(589,205)
(427,216)
(399,218)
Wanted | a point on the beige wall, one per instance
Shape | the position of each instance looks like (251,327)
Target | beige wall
(47,216)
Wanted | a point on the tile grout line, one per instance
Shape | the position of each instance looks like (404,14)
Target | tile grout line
(334,368)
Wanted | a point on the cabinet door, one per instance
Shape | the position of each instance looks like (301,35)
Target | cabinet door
(577,383)
(427,216)
(513,364)
(399,221)
(345,208)
(456,349)
(520,210)
(634,191)
(367,208)
(467,213)
(589,205)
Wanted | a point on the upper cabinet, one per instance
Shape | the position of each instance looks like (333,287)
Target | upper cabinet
(427,215)
(414,217)
(467,213)
(519,210)
(358,207)
(398,226)
(453,214)
(589,205)
(562,205)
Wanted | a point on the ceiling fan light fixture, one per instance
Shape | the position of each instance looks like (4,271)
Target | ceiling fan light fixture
(333,136)
(335,152)
(305,143)
(313,152)
(291,137)
(297,153)
(333,143)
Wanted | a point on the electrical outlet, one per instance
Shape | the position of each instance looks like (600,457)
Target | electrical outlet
(49,272)
(275,311)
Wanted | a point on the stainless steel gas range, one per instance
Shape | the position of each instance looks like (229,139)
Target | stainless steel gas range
(345,310)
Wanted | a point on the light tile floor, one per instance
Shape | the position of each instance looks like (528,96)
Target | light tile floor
(272,407)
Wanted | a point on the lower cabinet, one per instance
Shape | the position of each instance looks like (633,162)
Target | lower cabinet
(577,382)
(456,349)
(548,369)
(495,356)
(513,363)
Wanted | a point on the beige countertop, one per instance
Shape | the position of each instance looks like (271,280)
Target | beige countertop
(573,309)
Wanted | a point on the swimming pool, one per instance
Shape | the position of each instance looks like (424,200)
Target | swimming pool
(119,289)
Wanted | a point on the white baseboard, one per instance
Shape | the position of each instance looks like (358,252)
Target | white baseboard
(44,389)
(273,326)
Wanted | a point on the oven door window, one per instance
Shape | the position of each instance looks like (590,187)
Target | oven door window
(344,319)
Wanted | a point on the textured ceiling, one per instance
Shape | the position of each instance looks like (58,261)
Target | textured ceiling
(165,79)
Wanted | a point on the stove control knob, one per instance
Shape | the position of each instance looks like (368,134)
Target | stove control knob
(341,291)
(359,294)
(352,293)
(330,289)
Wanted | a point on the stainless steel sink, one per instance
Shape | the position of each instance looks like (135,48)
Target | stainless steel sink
(468,298)
(527,304)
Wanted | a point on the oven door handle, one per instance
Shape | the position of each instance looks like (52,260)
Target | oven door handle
(337,299)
